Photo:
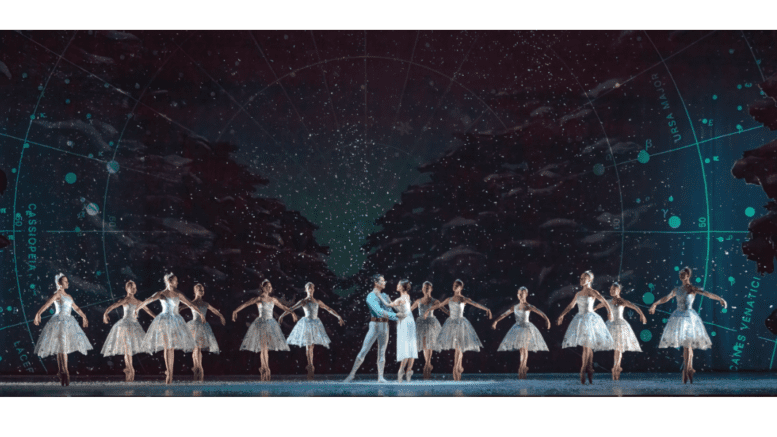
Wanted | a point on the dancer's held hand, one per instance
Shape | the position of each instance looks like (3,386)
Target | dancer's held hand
(652,309)
(644,320)
(106,320)
(559,320)
(85,323)
(723,302)
(610,317)
(341,322)
(490,316)
(548,325)
(493,325)
(223,320)
(294,317)
(234,316)
(37,320)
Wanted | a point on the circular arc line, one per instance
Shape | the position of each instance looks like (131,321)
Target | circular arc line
(16,190)
(701,162)
(116,150)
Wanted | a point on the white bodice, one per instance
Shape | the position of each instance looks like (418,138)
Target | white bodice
(169,305)
(684,299)
(585,304)
(129,311)
(422,308)
(617,310)
(405,307)
(265,309)
(62,306)
(311,310)
(521,316)
(456,309)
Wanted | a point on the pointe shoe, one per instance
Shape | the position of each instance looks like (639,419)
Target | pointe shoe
(382,380)
(400,374)
(685,376)
(311,370)
(408,375)
(349,378)
(582,377)
(67,379)
(690,375)
(590,377)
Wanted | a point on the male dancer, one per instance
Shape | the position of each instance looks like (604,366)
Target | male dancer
(380,315)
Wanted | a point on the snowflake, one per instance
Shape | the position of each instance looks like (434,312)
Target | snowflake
(404,128)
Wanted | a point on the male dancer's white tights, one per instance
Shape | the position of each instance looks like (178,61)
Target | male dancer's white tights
(378,331)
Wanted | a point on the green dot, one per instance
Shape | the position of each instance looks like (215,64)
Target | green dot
(643,157)
(671,198)
(703,121)
(749,211)
(739,86)
(67,101)
(92,209)
(714,97)
(8,308)
(676,268)
(70,178)
(32,117)
(739,108)
(599,169)
(1,358)
(663,320)
(51,311)
(113,167)
(706,160)
(645,335)
(648,298)
(13,170)
(674,222)
(698,279)
(724,310)
(26,145)
(713,333)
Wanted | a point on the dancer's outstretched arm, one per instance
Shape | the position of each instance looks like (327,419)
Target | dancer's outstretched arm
(598,296)
(505,314)
(332,312)
(106,319)
(216,312)
(245,305)
(477,305)
(48,303)
(628,304)
(661,301)
(598,306)
(541,314)
(284,308)
(293,308)
(191,306)
(435,306)
(415,305)
(84,322)
(713,296)
(143,304)
(444,309)
(567,309)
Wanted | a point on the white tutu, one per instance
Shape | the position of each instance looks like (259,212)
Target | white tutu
(428,329)
(407,346)
(62,335)
(523,334)
(308,331)
(203,336)
(126,336)
(623,336)
(685,329)
(588,330)
(264,331)
(168,330)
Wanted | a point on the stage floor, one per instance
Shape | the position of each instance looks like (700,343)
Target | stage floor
(538,384)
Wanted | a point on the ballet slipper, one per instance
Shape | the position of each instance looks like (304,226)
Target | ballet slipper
(582,377)
(408,375)
(400,374)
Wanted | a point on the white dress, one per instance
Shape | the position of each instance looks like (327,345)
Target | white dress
(523,334)
(309,329)
(587,328)
(62,335)
(168,330)
(622,335)
(457,331)
(202,332)
(265,330)
(684,327)
(427,329)
(126,336)
(407,346)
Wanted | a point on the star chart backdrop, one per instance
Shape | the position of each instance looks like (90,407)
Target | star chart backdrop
(130,154)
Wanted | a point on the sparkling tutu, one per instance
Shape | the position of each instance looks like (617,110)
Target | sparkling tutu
(62,335)
(684,327)
(202,332)
(168,330)
(523,335)
(428,330)
(587,328)
(622,335)
(407,346)
(457,331)
(126,336)
(264,330)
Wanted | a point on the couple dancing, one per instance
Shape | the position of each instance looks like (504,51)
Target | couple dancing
(457,333)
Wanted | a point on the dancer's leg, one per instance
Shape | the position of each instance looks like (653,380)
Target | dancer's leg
(690,365)
(383,336)
(369,340)
(583,366)
(60,373)
(524,359)
(401,372)
(64,369)
(309,354)
(129,371)
(458,367)
(169,358)
(685,365)
(590,366)
(409,368)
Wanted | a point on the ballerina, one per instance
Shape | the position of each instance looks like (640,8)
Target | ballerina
(685,328)
(587,329)
(427,329)
(523,336)
(265,333)
(202,332)
(622,335)
(407,347)
(61,335)
(457,333)
(309,331)
(168,331)
(126,335)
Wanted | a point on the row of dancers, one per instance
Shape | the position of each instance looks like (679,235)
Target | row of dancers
(169,332)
